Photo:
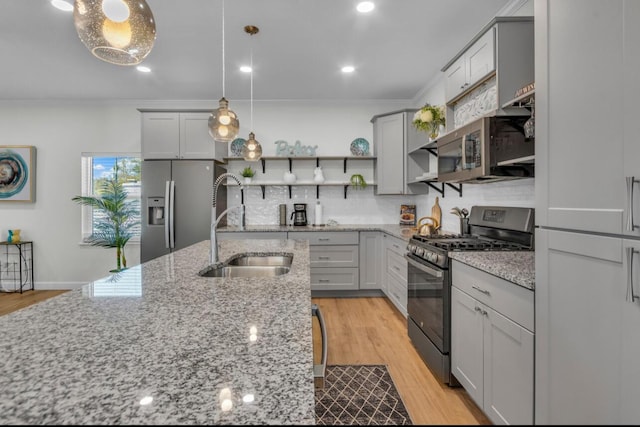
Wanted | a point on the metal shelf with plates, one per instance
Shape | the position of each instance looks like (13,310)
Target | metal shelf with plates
(16,266)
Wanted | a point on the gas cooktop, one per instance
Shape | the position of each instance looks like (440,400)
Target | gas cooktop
(455,242)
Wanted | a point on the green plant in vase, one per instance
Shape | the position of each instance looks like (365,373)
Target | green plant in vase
(247,173)
(429,119)
(115,221)
(358,182)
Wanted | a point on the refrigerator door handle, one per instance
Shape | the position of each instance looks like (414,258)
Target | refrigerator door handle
(167,213)
(631,181)
(172,198)
(631,297)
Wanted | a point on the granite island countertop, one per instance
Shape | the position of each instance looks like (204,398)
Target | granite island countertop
(158,344)
(515,266)
(400,231)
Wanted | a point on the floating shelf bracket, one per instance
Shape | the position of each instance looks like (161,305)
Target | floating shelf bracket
(458,188)
(263,161)
(262,188)
(439,190)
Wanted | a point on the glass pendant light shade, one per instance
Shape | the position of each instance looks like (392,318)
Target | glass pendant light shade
(121,32)
(252,150)
(223,123)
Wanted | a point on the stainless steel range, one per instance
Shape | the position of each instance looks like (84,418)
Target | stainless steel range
(492,228)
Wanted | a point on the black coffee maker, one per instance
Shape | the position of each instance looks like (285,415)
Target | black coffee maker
(299,214)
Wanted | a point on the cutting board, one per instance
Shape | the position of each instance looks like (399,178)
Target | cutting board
(436,212)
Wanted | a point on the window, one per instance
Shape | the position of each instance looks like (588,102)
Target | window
(96,167)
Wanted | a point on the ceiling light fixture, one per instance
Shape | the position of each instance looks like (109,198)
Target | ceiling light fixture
(245,69)
(348,69)
(143,69)
(251,150)
(120,32)
(365,6)
(223,123)
(62,5)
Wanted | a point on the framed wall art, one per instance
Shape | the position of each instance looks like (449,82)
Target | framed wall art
(17,173)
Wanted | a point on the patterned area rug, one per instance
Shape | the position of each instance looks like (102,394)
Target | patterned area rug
(359,394)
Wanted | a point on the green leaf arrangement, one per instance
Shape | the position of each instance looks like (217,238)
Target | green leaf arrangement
(247,172)
(358,182)
(117,226)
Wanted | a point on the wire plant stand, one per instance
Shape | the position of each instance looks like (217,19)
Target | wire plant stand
(16,266)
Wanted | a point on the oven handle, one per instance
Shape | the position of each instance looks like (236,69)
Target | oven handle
(423,267)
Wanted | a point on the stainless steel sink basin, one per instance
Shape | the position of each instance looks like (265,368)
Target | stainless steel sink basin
(247,265)
(258,260)
(245,271)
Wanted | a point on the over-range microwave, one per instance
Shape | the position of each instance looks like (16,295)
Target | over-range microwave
(491,148)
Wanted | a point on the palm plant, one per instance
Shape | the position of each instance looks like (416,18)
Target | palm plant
(116,226)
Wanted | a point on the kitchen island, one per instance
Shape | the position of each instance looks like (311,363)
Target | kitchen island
(159,344)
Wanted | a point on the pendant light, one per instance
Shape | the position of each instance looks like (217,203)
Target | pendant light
(223,123)
(251,150)
(121,32)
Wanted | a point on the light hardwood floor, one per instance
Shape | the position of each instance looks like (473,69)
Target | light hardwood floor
(363,331)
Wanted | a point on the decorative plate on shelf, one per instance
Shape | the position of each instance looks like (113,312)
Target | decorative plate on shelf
(236,147)
(360,147)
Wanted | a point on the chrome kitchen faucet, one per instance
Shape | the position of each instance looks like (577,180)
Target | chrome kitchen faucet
(213,253)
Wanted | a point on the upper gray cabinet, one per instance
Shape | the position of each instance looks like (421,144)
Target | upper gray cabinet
(501,56)
(475,63)
(179,135)
(394,136)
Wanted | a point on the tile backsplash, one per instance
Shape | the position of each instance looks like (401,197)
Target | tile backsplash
(477,103)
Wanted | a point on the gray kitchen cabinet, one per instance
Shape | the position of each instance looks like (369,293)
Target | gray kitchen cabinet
(587,347)
(394,137)
(395,272)
(475,63)
(501,55)
(334,258)
(492,343)
(370,259)
(179,135)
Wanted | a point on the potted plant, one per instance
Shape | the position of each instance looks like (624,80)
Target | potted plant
(115,224)
(358,182)
(247,173)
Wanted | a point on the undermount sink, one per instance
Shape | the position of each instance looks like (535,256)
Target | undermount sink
(251,266)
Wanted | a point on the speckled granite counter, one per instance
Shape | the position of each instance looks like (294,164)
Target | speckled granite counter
(201,348)
(517,267)
(401,232)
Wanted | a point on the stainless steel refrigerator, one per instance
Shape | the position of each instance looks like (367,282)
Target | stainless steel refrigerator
(176,204)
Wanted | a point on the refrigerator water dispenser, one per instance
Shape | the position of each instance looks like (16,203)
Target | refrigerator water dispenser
(156,210)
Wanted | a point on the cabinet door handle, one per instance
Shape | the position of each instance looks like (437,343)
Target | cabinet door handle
(324,257)
(476,308)
(323,239)
(324,280)
(481,290)
(631,181)
(396,268)
(631,297)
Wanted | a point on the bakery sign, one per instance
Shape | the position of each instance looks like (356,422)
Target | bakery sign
(531,87)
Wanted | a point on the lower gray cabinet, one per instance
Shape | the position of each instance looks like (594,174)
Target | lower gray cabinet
(334,258)
(491,354)
(395,272)
(370,259)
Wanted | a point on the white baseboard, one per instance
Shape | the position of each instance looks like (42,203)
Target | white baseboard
(57,286)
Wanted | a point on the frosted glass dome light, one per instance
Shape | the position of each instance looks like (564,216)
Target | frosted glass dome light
(120,32)
(223,123)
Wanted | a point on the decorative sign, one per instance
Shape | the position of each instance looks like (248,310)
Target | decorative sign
(285,150)
(525,89)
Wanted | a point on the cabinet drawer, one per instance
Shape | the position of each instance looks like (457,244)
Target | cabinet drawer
(397,265)
(396,245)
(326,237)
(397,293)
(334,279)
(334,256)
(509,299)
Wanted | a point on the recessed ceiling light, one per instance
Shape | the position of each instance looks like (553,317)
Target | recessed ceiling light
(62,5)
(143,69)
(245,69)
(365,6)
(348,69)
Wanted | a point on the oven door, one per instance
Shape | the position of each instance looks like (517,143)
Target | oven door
(428,303)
